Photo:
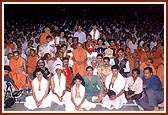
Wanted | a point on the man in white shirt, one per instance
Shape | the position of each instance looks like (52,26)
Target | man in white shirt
(95,33)
(134,86)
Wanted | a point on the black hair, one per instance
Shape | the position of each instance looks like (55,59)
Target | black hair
(88,67)
(63,45)
(65,58)
(106,58)
(47,37)
(101,40)
(137,70)
(121,49)
(46,56)
(75,38)
(79,77)
(41,59)
(149,69)
(6,67)
(101,55)
(38,70)
(115,67)
(16,52)
(89,35)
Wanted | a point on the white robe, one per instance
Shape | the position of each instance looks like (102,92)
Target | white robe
(59,90)
(118,85)
(30,102)
(86,104)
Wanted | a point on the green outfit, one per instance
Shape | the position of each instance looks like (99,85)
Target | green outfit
(91,87)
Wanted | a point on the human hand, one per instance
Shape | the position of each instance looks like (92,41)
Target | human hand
(60,98)
(77,107)
(128,96)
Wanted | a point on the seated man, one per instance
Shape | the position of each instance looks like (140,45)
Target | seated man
(59,94)
(93,86)
(153,90)
(115,83)
(78,99)
(40,87)
(133,87)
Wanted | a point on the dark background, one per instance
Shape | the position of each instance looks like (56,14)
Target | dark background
(155,11)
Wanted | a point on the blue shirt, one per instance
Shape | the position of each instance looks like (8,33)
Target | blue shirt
(153,83)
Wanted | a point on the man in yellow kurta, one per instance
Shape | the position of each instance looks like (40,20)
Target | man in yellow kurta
(79,58)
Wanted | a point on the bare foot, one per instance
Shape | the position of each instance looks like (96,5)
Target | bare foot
(156,108)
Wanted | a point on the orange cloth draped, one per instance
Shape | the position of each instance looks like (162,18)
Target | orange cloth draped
(79,56)
(43,38)
(131,62)
(12,46)
(156,54)
(18,66)
(138,52)
(157,61)
(160,73)
(143,57)
(143,65)
(31,62)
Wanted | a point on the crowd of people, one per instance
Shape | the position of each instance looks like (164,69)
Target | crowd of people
(83,62)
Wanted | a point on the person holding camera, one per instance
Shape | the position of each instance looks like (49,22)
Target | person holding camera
(7,79)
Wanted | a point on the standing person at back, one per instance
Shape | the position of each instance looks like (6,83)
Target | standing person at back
(80,34)
(95,33)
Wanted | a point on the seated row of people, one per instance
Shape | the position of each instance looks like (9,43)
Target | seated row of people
(87,90)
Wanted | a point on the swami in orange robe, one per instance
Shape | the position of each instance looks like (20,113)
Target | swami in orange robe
(31,62)
(79,58)
(160,73)
(144,65)
(18,66)
(44,35)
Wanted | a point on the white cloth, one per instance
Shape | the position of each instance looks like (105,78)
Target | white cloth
(118,85)
(90,56)
(136,86)
(86,104)
(97,34)
(30,102)
(132,46)
(59,88)
(6,60)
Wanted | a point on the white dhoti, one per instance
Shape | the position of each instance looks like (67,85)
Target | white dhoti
(65,99)
(30,102)
(69,106)
(110,104)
